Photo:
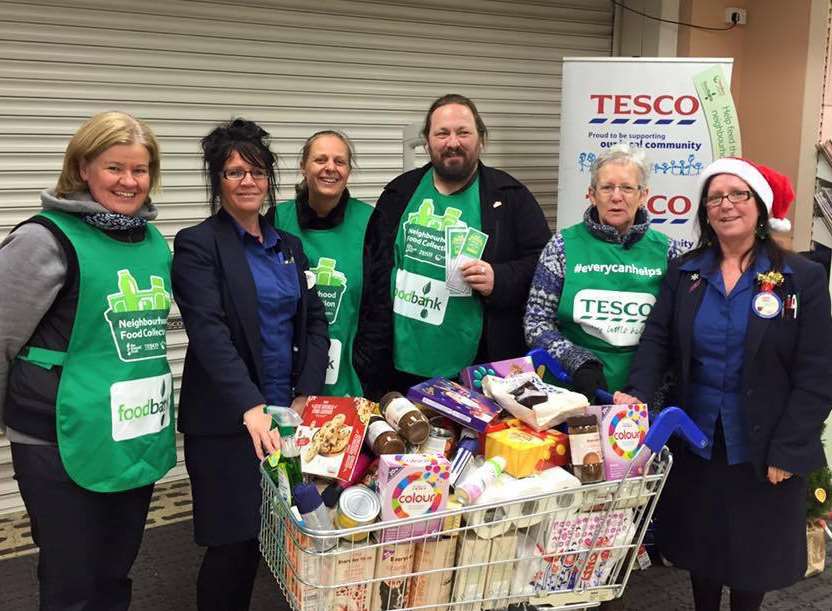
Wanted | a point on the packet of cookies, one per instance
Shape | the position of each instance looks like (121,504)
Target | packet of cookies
(331,435)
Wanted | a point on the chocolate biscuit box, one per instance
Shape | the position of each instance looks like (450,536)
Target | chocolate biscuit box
(462,405)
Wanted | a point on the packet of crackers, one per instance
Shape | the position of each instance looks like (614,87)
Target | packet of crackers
(332,434)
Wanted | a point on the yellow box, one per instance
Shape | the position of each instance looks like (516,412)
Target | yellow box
(525,450)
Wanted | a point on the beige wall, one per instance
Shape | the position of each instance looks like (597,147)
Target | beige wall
(777,83)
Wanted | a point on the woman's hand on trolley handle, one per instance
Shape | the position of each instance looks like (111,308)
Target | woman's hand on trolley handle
(622,398)
(259,424)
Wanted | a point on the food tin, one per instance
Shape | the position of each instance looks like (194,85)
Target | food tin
(357,506)
(441,440)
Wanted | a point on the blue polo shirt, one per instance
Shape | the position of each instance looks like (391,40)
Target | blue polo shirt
(717,355)
(278,293)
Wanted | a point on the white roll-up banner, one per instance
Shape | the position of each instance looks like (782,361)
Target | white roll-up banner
(678,110)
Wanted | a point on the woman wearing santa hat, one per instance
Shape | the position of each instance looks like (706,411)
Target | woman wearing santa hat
(745,327)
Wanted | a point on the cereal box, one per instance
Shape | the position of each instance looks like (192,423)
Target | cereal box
(431,554)
(412,485)
(353,563)
(499,576)
(462,405)
(623,429)
(391,592)
(469,584)
(472,376)
(331,435)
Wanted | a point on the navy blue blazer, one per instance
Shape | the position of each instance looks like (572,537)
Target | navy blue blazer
(215,292)
(787,370)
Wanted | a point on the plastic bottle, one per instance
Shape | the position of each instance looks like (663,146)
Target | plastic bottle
(405,417)
(284,465)
(470,489)
(315,515)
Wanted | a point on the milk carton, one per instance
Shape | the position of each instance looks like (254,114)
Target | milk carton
(623,429)
(412,485)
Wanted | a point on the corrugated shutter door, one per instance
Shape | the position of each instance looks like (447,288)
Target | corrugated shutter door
(294,66)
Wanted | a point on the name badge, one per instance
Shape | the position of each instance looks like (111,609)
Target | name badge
(767,304)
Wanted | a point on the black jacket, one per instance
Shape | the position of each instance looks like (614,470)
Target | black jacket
(215,292)
(517,232)
(787,370)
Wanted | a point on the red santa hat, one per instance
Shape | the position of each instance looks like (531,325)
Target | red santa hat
(774,189)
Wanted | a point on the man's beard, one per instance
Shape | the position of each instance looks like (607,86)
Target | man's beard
(459,170)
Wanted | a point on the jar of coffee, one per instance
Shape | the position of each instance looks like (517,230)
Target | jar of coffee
(585,448)
(382,439)
(405,417)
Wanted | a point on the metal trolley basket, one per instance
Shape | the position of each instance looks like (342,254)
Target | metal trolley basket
(568,549)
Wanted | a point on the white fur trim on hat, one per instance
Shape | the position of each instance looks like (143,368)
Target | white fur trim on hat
(779,225)
(744,170)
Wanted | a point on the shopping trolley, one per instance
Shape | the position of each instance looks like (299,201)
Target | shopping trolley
(566,549)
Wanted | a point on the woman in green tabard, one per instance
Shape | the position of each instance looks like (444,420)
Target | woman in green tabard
(85,295)
(597,281)
(331,225)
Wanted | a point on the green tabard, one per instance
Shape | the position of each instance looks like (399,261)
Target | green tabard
(115,397)
(338,258)
(607,294)
(435,332)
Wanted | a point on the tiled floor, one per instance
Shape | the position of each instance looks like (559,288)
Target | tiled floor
(164,575)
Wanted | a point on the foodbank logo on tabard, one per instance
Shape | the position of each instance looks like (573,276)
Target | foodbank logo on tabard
(138,318)
(331,285)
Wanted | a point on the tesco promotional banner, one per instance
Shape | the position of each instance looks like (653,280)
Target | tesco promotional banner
(678,110)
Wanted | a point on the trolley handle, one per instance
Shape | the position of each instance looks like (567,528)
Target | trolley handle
(669,421)
(542,358)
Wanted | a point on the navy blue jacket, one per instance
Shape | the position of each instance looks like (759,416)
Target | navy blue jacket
(786,383)
(215,292)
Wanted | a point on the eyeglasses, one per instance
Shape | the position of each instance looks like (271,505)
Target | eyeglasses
(735,197)
(607,190)
(239,174)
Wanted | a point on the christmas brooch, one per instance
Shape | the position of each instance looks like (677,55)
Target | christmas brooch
(766,303)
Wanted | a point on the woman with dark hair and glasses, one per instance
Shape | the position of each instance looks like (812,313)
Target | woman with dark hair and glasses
(257,336)
(332,225)
(596,281)
(745,327)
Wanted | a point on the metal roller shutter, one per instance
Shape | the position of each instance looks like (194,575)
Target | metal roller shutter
(295,66)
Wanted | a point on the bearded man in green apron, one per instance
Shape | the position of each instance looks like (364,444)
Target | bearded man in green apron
(452,247)
(85,290)
(597,281)
(331,226)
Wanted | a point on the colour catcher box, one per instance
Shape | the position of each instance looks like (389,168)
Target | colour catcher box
(331,435)
(412,485)
(462,405)
(622,428)
(472,376)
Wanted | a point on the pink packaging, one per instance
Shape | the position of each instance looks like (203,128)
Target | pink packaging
(472,376)
(412,485)
(622,428)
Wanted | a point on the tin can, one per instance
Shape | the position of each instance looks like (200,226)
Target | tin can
(357,506)
(440,440)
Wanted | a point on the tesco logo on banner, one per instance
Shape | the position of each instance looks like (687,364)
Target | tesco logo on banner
(672,209)
(643,104)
